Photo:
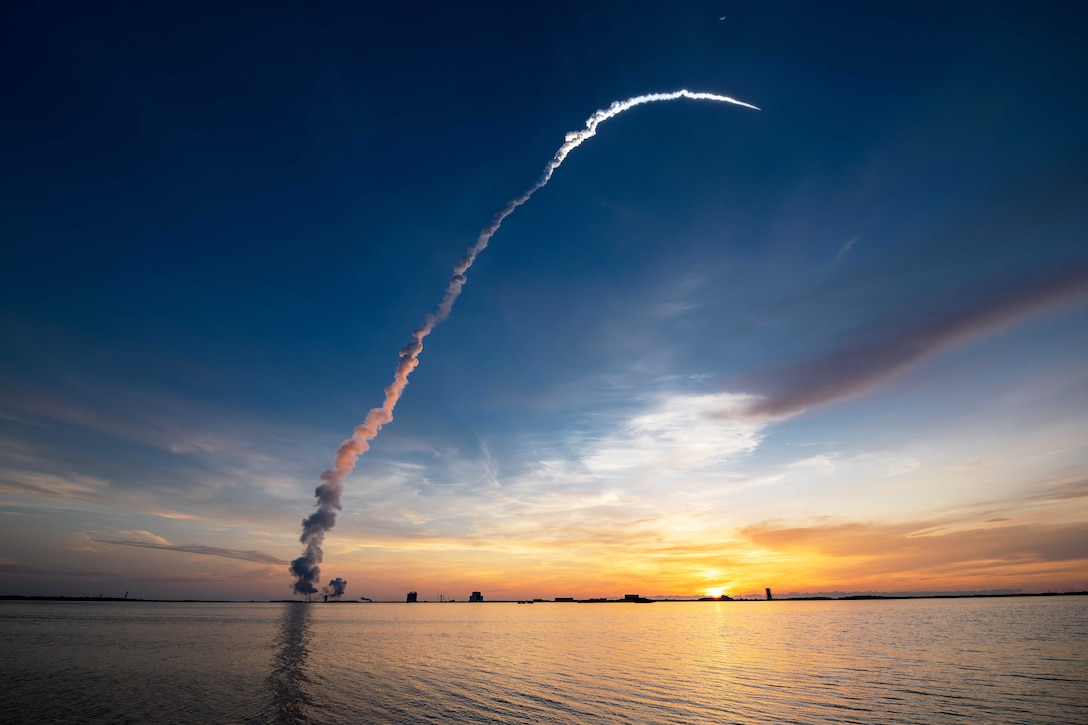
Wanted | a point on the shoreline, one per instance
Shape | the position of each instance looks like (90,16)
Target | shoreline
(848,598)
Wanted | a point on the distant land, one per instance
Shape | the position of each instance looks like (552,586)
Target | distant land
(568,600)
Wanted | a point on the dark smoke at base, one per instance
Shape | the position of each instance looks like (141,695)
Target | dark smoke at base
(335,588)
(306,569)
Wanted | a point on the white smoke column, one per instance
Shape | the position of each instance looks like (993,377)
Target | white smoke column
(305,568)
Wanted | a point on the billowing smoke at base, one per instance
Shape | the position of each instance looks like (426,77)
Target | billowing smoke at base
(335,588)
(305,568)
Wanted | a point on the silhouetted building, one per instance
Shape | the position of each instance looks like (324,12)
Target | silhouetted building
(476,597)
(769,597)
(413,597)
(631,597)
(564,599)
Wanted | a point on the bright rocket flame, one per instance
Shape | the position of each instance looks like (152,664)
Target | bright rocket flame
(314,527)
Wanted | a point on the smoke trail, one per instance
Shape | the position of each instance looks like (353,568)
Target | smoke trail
(306,567)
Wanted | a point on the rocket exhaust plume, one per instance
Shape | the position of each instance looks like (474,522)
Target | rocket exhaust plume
(305,568)
(335,588)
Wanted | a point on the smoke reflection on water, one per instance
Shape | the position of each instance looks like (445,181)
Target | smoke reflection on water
(900,662)
(288,682)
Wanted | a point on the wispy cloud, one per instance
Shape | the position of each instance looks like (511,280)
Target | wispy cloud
(673,308)
(52,486)
(258,557)
(170,491)
(188,430)
(1065,487)
(609,472)
(677,433)
(846,248)
(916,548)
(882,353)
(167,458)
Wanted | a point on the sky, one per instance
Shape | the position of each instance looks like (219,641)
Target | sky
(836,344)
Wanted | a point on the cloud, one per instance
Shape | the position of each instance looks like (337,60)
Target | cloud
(82,542)
(70,486)
(246,555)
(896,551)
(1074,487)
(882,353)
(617,475)
(190,431)
(673,309)
(194,494)
(678,433)
(155,539)
(193,468)
(846,248)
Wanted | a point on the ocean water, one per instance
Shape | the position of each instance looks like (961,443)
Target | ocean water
(1018,660)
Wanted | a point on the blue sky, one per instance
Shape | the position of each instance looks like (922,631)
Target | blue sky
(833,344)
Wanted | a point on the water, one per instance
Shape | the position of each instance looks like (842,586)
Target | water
(1019,660)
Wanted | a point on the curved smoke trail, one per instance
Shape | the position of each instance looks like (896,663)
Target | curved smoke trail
(314,527)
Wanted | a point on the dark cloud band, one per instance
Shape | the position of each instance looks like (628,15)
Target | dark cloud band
(882,354)
(257,557)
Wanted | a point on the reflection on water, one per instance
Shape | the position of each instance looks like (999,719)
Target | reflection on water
(896,662)
(995,661)
(288,680)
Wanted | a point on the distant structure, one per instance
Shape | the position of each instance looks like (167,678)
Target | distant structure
(769,597)
(631,597)
(476,597)
(564,599)
(413,597)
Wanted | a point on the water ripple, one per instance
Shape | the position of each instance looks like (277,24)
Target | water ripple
(894,662)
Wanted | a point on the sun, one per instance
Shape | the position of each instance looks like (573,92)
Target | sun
(715,591)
